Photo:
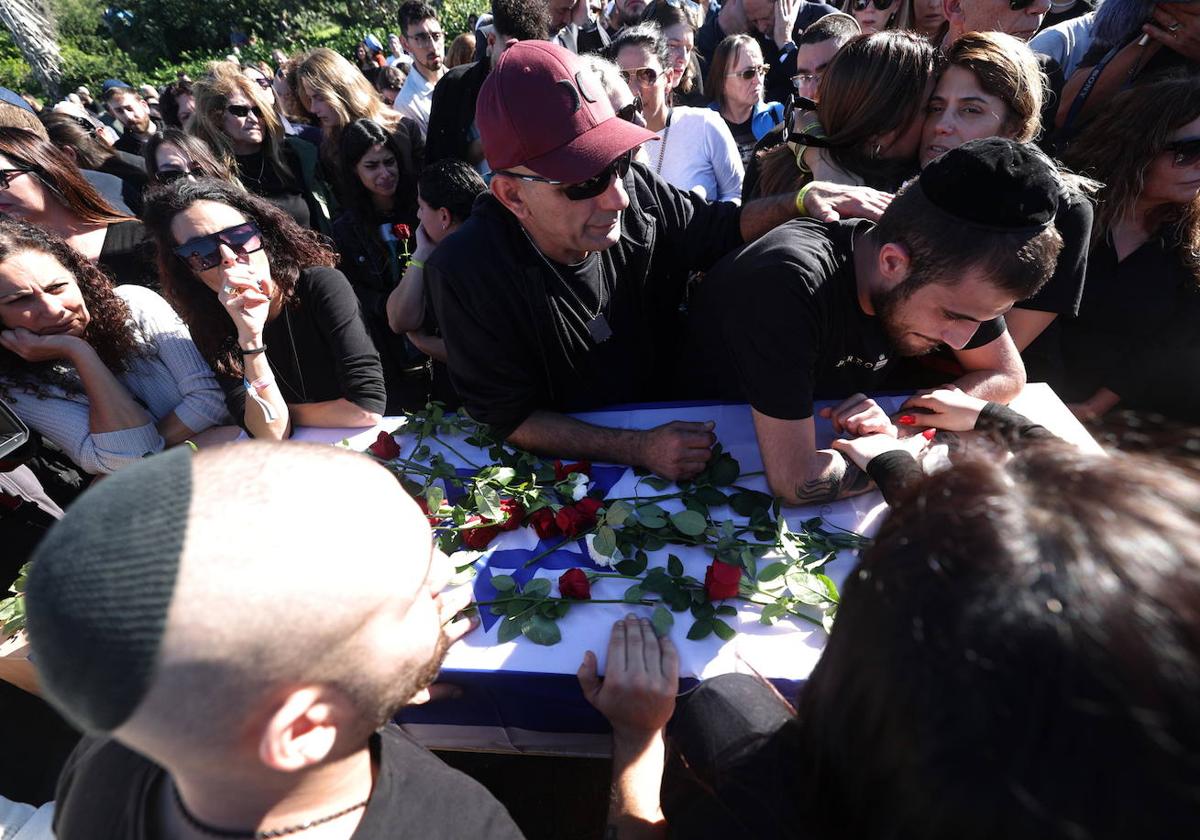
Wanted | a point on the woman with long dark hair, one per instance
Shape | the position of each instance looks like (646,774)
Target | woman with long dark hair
(109,375)
(374,235)
(171,154)
(1136,342)
(39,184)
(236,118)
(81,140)
(280,326)
(867,126)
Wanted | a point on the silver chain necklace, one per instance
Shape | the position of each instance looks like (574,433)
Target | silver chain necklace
(662,145)
(597,325)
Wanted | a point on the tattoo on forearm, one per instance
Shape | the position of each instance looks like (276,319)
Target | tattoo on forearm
(842,479)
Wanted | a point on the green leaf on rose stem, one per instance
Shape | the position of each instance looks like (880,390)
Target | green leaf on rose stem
(617,512)
(831,590)
(700,629)
(656,483)
(448,542)
(711,496)
(487,500)
(605,542)
(723,630)
(772,612)
(657,583)
(651,516)
(548,609)
(630,568)
(806,587)
(503,583)
(508,630)
(724,470)
(726,609)
(633,594)
(503,476)
(747,503)
(421,452)
(674,566)
(694,504)
(662,620)
(653,542)
(771,572)
(519,605)
(541,630)
(537,588)
(500,609)
(434,496)
(689,523)
(677,599)
(703,610)
(561,607)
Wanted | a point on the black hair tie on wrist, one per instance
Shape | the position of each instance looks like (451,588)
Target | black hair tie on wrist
(255,351)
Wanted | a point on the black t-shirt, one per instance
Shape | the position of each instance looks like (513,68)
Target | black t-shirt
(259,177)
(108,791)
(318,348)
(743,135)
(778,324)
(1130,308)
(126,255)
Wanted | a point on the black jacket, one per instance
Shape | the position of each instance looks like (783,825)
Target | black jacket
(499,304)
(453,111)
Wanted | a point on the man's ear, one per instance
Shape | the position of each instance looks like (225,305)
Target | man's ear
(444,218)
(509,193)
(952,9)
(303,730)
(895,264)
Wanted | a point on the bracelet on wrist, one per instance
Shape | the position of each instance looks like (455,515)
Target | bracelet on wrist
(253,351)
(800,196)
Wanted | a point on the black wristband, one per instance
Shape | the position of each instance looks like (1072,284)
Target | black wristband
(254,352)
(894,472)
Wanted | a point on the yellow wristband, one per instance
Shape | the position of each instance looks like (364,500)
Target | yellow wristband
(800,199)
(417,264)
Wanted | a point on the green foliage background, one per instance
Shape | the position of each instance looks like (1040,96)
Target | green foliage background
(172,35)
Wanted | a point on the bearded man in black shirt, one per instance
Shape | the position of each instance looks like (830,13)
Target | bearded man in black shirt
(819,310)
(230,681)
(562,290)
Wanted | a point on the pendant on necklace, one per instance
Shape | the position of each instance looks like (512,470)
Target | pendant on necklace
(599,329)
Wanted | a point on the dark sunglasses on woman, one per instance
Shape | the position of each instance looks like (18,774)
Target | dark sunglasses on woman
(7,175)
(242,111)
(262,82)
(1186,152)
(170,176)
(582,190)
(750,72)
(644,75)
(881,5)
(204,252)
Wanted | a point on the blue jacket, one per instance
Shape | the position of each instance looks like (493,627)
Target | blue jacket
(766,116)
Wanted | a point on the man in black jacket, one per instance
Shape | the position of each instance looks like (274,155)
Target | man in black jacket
(562,291)
(452,132)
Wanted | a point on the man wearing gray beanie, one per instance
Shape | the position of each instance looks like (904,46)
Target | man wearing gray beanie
(234,640)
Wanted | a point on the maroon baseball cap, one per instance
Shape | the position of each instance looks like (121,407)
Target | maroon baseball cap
(542,108)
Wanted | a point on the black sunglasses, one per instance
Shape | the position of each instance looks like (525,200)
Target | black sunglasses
(1186,152)
(7,175)
(626,112)
(262,81)
(170,176)
(204,252)
(881,5)
(242,111)
(581,190)
(1018,5)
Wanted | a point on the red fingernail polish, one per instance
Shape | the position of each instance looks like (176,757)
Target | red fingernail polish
(907,420)
(929,433)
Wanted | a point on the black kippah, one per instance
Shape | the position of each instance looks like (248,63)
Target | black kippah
(995,184)
(101,585)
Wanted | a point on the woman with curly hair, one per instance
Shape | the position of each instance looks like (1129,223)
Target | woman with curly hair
(41,185)
(1136,342)
(237,119)
(280,326)
(108,374)
(334,92)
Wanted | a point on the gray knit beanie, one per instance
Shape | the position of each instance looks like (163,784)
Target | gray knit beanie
(101,585)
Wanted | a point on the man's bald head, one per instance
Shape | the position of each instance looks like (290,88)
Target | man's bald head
(270,572)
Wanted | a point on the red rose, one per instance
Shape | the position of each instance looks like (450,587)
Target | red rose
(561,470)
(515,514)
(575,584)
(431,518)
(401,232)
(721,581)
(385,447)
(478,537)
(577,518)
(589,506)
(542,522)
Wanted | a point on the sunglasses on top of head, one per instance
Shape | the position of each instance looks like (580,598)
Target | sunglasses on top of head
(243,111)
(582,190)
(1186,152)
(750,72)
(204,252)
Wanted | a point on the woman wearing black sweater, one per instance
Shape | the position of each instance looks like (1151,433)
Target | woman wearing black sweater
(280,326)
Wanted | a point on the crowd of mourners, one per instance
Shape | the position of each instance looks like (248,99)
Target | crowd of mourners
(777,203)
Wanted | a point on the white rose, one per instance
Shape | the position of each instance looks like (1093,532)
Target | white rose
(600,559)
